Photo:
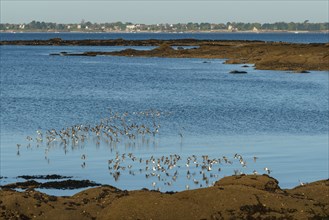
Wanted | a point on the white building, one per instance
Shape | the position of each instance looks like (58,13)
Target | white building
(131,27)
(231,28)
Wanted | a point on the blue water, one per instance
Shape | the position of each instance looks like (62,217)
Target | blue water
(281,118)
(284,37)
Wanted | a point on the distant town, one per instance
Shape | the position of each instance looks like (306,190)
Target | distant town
(86,26)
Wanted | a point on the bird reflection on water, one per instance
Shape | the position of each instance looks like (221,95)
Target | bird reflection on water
(112,130)
(138,129)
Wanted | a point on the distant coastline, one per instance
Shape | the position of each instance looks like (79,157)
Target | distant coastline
(190,27)
(165,32)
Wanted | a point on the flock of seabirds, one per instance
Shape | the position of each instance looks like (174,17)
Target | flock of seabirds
(138,129)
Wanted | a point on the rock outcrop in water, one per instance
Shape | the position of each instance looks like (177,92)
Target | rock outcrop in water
(237,72)
(265,55)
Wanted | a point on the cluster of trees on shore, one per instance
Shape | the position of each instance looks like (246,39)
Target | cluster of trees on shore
(179,27)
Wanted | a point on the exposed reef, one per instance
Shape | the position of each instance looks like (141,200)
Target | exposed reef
(64,184)
(234,197)
(237,72)
(265,55)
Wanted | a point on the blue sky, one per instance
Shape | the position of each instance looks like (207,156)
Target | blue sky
(170,11)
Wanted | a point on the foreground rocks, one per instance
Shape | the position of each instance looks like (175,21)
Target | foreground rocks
(265,55)
(235,197)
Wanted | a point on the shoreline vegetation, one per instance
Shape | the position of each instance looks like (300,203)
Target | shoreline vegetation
(232,197)
(164,32)
(284,56)
(128,27)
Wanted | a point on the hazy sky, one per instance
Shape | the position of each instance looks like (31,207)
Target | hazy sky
(169,11)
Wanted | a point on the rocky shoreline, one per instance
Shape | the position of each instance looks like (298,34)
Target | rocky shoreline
(234,197)
(264,55)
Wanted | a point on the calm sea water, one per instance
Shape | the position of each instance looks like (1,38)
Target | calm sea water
(279,117)
(284,37)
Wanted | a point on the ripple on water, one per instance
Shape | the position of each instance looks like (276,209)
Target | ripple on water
(279,117)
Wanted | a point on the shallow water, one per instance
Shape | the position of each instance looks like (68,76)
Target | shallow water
(279,117)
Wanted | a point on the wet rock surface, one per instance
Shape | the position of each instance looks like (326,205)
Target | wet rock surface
(237,72)
(46,177)
(65,184)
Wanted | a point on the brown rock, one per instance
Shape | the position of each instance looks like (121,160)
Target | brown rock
(235,197)
(263,182)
